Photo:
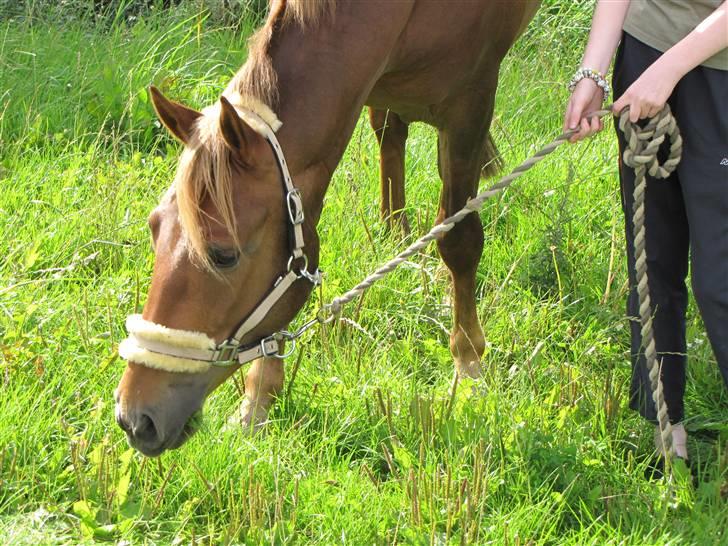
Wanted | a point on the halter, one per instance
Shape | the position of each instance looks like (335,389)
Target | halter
(157,346)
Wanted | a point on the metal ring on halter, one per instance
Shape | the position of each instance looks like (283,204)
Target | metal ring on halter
(303,257)
(314,278)
(303,273)
(275,337)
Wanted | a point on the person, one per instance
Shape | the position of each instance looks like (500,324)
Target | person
(670,52)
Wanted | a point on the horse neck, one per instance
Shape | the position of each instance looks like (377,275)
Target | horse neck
(319,112)
(322,86)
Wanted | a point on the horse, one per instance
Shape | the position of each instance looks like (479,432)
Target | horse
(227,227)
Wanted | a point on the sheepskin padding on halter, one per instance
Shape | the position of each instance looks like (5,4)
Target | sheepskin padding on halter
(140,330)
(257,107)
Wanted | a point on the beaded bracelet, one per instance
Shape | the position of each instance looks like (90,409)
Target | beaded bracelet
(592,75)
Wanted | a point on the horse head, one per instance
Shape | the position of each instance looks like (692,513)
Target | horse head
(229,269)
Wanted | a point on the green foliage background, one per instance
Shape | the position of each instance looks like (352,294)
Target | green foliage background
(367,444)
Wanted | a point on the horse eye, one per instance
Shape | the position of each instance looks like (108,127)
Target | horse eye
(223,258)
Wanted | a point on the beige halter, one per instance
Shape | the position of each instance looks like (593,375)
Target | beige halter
(156,346)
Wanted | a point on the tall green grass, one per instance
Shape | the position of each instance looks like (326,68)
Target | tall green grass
(368,443)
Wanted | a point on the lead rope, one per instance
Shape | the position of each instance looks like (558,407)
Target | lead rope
(640,154)
(474,204)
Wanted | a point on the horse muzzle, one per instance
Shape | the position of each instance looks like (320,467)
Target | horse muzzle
(159,410)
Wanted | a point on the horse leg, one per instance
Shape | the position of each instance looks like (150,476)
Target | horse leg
(391,133)
(263,382)
(464,147)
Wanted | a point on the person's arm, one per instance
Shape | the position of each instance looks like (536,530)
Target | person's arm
(649,93)
(606,31)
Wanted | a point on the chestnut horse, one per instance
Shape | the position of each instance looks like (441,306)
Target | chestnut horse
(221,233)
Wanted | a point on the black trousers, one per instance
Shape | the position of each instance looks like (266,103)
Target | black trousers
(686,215)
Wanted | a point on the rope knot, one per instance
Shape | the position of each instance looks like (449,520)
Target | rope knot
(643,143)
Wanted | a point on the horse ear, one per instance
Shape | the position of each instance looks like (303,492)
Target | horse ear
(238,136)
(177,118)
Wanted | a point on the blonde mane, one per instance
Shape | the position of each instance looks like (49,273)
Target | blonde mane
(205,164)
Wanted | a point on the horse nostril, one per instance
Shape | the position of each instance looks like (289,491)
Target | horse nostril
(144,430)
(122,423)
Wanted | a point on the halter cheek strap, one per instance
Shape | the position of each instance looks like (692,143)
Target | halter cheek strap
(169,349)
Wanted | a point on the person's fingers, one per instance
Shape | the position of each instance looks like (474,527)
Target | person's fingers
(583,100)
(654,110)
(575,137)
(568,115)
(635,112)
(585,128)
(574,118)
(579,134)
(647,109)
(626,101)
(575,113)
(594,125)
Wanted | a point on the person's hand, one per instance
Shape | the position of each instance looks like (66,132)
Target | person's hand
(648,94)
(587,97)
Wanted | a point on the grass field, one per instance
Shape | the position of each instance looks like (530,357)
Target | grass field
(367,445)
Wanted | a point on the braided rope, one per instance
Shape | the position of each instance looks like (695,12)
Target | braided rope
(641,155)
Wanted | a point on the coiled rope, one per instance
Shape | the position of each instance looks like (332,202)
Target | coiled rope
(640,154)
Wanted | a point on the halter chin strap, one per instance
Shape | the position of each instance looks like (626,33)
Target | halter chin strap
(157,346)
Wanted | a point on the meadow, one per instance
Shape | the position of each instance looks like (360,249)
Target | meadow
(369,443)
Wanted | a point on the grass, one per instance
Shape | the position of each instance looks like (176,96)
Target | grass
(368,444)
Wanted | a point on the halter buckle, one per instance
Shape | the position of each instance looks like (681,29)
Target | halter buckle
(295,206)
(229,346)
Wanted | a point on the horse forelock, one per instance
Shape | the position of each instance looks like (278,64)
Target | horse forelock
(205,171)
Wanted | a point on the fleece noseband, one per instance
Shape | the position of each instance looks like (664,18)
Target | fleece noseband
(157,346)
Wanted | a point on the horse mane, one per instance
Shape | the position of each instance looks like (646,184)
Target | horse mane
(205,164)
(257,78)
(308,12)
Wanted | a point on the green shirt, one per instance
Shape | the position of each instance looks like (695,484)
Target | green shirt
(663,23)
